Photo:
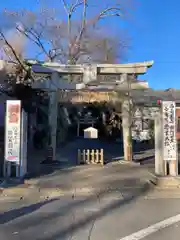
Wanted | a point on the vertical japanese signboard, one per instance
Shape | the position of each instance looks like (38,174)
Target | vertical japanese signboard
(12,131)
(169,130)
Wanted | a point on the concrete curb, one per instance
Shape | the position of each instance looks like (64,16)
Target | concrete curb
(25,191)
(165,182)
(163,194)
(31,188)
(35,192)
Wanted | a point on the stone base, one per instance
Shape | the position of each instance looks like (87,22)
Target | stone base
(165,182)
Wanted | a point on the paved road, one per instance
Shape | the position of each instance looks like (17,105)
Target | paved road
(112,215)
(109,216)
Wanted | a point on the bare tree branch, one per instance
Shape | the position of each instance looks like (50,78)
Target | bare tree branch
(76,39)
(112,11)
(83,25)
(76,5)
(65,6)
(13,51)
(35,38)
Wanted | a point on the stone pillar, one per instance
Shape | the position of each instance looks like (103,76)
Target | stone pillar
(169,142)
(53,111)
(159,163)
(127,133)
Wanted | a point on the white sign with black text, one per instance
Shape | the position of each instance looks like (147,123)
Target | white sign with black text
(169,130)
(13,131)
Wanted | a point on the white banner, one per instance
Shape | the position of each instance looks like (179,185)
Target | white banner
(12,131)
(169,130)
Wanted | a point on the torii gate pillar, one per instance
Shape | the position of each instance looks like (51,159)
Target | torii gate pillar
(53,112)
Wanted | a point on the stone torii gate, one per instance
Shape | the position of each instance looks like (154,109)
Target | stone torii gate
(55,73)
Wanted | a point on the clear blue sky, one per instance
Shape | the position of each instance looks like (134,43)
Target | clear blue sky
(156,36)
(154,30)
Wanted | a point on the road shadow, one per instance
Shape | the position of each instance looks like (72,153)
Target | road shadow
(142,146)
(17,213)
(72,227)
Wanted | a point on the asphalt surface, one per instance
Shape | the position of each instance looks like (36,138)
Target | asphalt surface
(126,205)
(110,216)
